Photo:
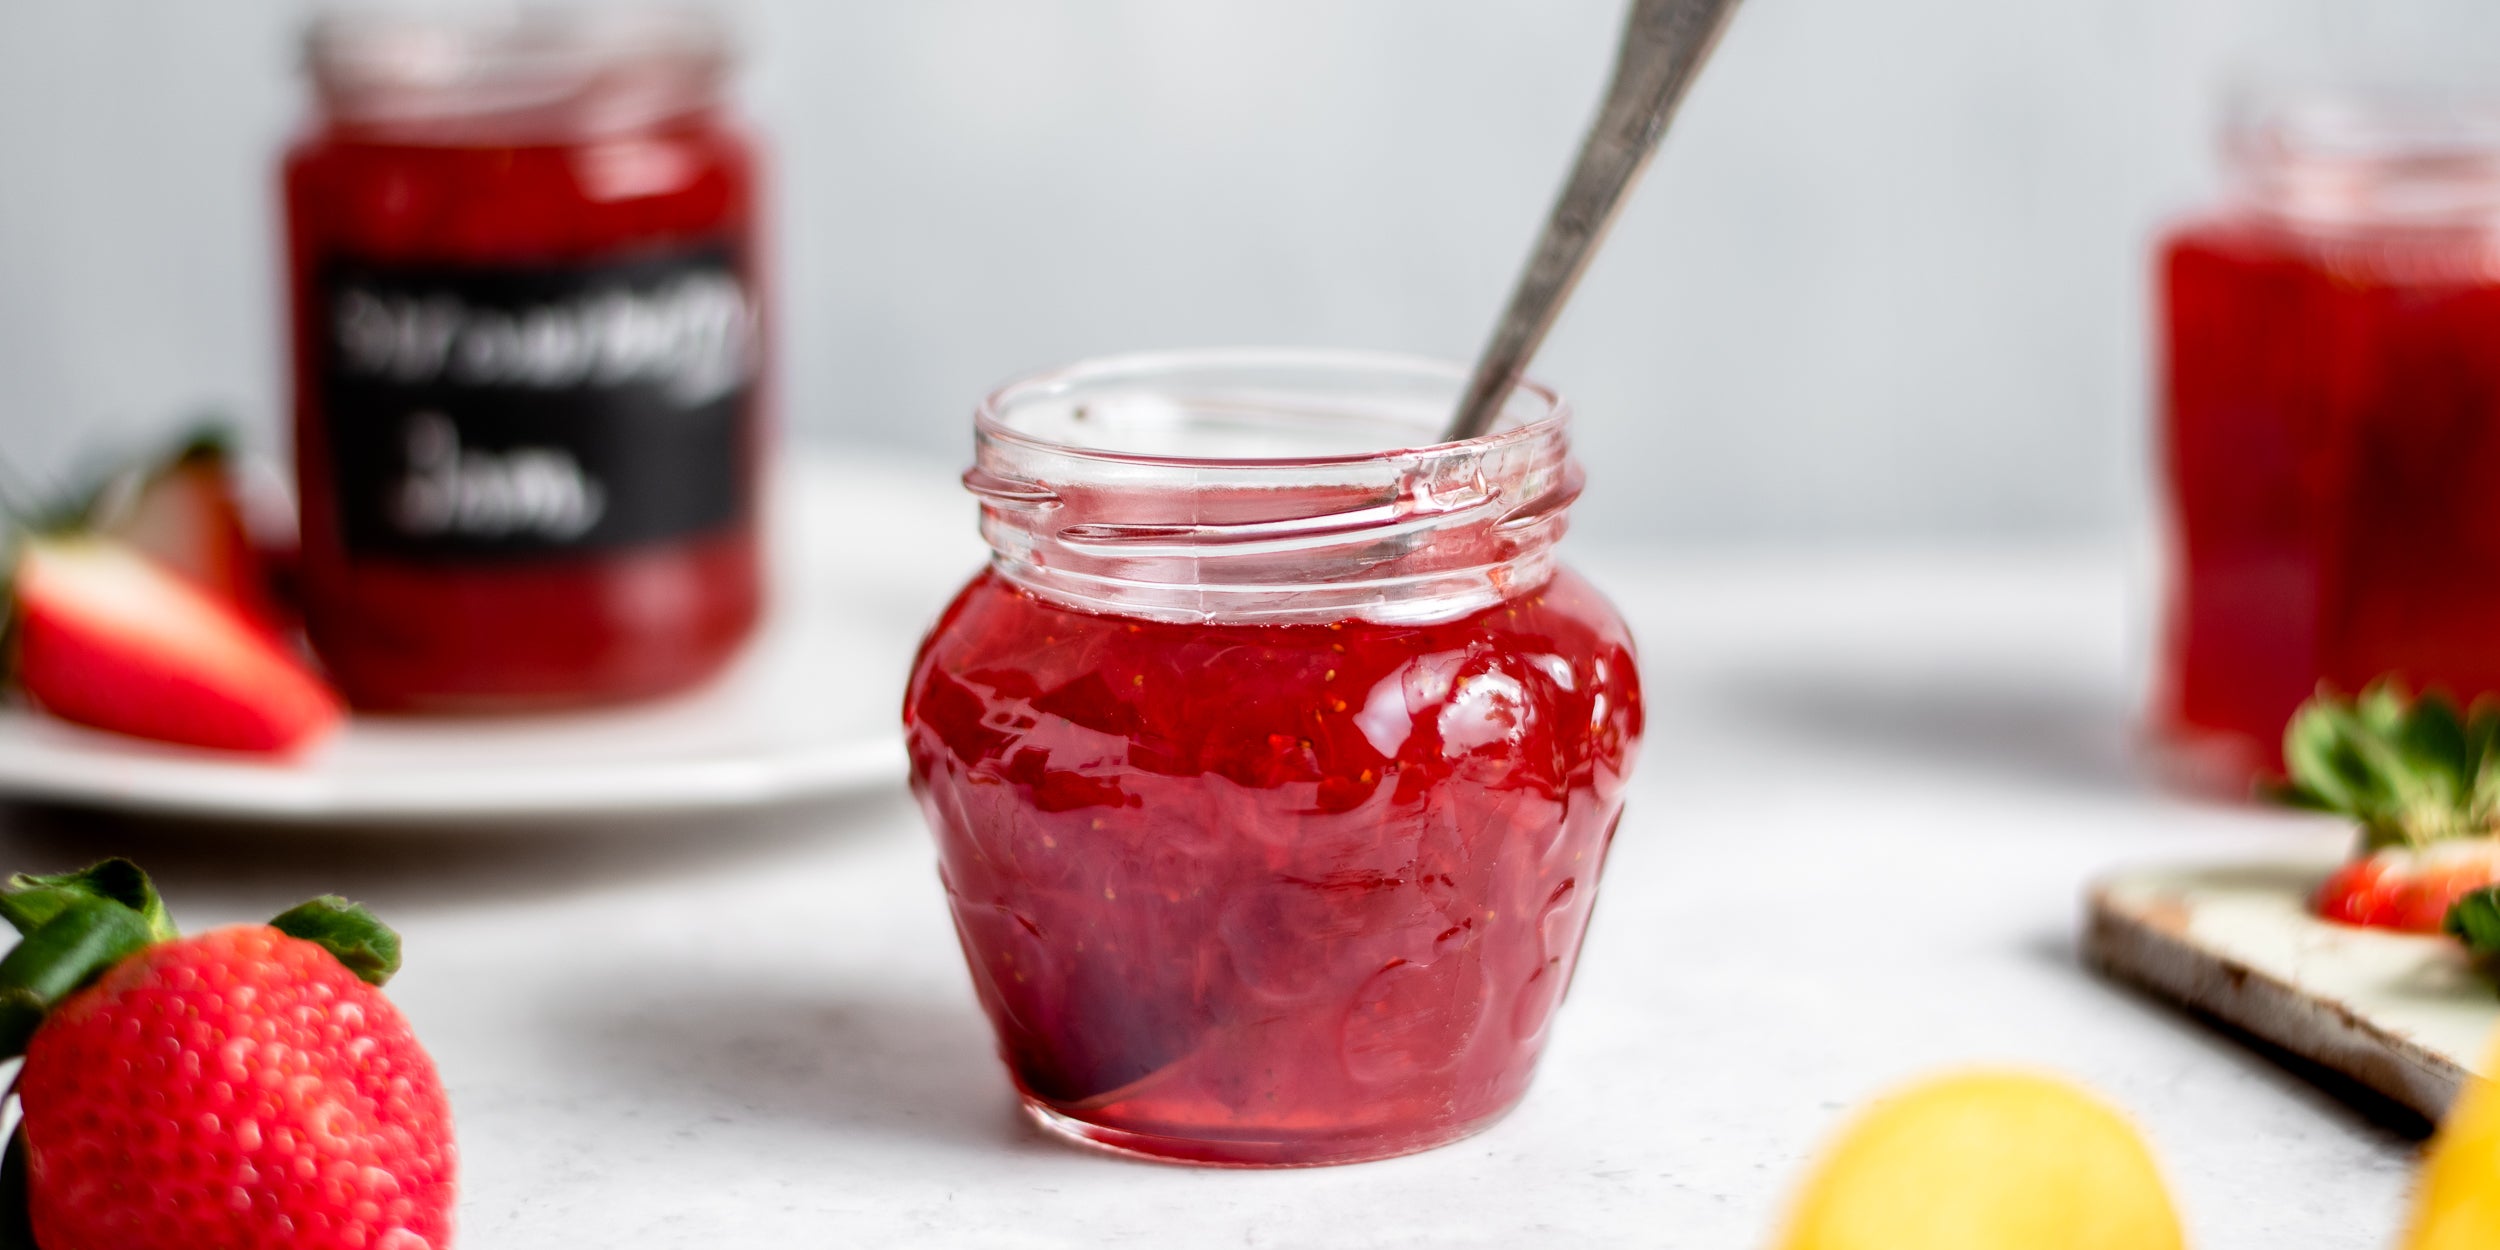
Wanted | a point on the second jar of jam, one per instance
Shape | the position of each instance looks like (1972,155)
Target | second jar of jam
(529,353)
(2331,415)
(1274,758)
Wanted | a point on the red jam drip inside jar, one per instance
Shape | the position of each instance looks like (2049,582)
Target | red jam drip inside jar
(531,162)
(1242,890)
(2331,428)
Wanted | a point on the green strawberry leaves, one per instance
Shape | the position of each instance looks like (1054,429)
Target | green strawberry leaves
(28,900)
(2410,771)
(86,937)
(368,947)
(2474,919)
(77,925)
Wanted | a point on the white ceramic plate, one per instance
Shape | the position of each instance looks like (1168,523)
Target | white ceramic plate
(864,556)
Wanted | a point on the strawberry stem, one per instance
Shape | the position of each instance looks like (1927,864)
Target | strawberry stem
(2474,919)
(368,947)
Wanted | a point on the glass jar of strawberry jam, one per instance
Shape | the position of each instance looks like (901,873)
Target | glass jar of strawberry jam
(1273,759)
(2331,415)
(528,356)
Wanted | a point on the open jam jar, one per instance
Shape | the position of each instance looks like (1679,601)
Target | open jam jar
(1273,759)
(2331,424)
(528,356)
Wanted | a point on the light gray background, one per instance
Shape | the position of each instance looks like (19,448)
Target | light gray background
(1887,279)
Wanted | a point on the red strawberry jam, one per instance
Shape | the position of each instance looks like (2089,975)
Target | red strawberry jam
(1242,891)
(527,358)
(2331,398)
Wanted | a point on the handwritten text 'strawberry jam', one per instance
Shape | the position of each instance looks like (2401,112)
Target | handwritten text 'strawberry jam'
(1272,773)
(2332,416)
(528,354)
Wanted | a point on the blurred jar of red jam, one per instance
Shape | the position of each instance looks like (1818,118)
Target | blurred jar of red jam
(528,349)
(2331,415)
(1271,770)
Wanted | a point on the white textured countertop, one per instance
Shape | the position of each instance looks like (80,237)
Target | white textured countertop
(1872,787)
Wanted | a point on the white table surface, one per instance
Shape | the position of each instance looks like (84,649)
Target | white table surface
(1872,786)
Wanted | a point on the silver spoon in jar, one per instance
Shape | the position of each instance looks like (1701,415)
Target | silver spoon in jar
(1664,45)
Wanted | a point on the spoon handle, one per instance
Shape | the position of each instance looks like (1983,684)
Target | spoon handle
(1664,45)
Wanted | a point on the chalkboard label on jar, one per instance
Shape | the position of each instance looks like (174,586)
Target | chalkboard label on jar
(508,413)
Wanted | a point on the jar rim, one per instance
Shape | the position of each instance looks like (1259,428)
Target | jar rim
(2361,152)
(991,420)
(2362,118)
(1381,525)
(562,66)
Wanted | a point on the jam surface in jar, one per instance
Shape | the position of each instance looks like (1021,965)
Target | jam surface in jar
(527,471)
(1274,759)
(2331,395)
(1273,893)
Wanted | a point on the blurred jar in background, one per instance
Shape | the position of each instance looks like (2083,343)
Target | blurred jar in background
(2331,416)
(528,351)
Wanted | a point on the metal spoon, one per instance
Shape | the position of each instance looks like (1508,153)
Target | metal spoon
(1664,44)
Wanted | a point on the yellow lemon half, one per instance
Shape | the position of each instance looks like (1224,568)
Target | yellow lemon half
(1986,1160)
(2456,1203)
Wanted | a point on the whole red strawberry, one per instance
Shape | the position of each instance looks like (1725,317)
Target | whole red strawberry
(241,1089)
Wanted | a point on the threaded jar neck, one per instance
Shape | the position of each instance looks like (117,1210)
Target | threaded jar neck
(2359,157)
(1269,486)
(504,76)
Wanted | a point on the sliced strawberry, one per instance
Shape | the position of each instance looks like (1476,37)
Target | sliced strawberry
(107,637)
(2412,890)
(187,515)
